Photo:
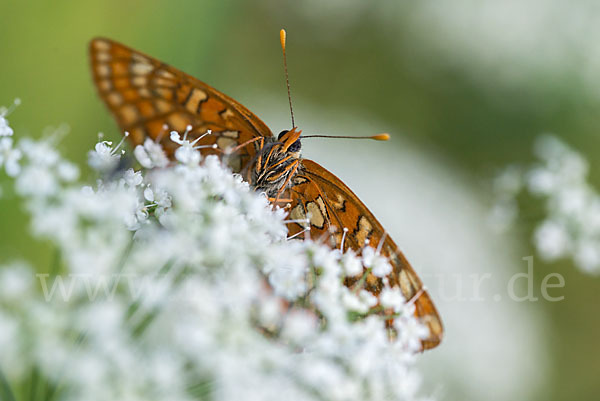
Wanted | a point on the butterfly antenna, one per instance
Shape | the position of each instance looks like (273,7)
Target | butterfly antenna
(282,36)
(378,137)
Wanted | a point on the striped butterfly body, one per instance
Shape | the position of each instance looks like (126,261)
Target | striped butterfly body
(149,99)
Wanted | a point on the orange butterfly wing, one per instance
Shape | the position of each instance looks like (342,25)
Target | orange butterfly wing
(330,207)
(149,99)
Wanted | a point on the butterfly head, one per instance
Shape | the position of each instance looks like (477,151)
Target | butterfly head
(276,163)
(291,141)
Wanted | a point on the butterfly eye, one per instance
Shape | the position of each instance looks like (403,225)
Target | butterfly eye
(296,146)
(282,133)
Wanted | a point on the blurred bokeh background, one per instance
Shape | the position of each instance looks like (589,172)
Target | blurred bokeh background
(463,87)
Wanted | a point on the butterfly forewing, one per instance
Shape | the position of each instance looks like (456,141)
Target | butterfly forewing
(330,206)
(149,99)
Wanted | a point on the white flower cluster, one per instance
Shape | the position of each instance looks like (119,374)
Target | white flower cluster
(571,227)
(178,282)
(9,157)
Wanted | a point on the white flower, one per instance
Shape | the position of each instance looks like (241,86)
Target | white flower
(381,266)
(551,240)
(16,281)
(288,280)
(392,298)
(36,180)
(359,302)
(158,198)
(587,256)
(9,157)
(67,171)
(541,181)
(132,178)
(410,332)
(352,264)
(269,313)
(188,153)
(378,264)
(40,153)
(104,157)
(549,148)
(151,154)
(299,326)
(368,256)
(5,129)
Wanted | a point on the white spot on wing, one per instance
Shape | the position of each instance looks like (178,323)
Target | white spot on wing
(101,45)
(141,68)
(103,70)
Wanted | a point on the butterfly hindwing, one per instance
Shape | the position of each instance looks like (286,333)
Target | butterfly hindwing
(330,206)
(149,99)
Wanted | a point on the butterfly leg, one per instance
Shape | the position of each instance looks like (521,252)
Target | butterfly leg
(280,200)
(242,145)
(292,168)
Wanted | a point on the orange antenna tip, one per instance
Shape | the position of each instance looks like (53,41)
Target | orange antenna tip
(381,137)
(282,36)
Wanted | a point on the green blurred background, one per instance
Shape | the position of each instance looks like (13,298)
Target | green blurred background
(473,85)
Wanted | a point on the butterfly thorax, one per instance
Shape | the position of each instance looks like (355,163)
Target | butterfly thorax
(277,161)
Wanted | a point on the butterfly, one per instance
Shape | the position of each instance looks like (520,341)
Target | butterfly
(149,99)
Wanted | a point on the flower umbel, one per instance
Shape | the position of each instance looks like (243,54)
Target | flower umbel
(571,226)
(178,282)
